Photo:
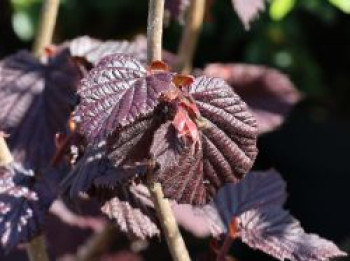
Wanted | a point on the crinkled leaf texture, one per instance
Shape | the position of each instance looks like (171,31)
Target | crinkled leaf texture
(257,204)
(36,101)
(23,204)
(256,190)
(131,215)
(248,10)
(274,231)
(94,175)
(225,153)
(269,93)
(94,50)
(116,93)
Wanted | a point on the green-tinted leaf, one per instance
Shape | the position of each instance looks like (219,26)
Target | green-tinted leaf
(343,5)
(280,8)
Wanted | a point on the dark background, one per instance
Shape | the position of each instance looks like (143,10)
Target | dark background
(311,44)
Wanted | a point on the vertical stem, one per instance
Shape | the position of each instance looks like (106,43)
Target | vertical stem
(191,31)
(36,249)
(165,215)
(155,30)
(170,229)
(46,26)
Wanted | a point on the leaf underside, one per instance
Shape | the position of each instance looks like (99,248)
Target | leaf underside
(36,101)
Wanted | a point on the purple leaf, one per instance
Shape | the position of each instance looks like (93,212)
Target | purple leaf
(200,221)
(274,231)
(248,10)
(23,204)
(36,101)
(177,8)
(118,91)
(131,215)
(131,144)
(269,93)
(94,50)
(256,190)
(180,172)
(225,153)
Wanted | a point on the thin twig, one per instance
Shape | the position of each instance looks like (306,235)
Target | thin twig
(155,30)
(164,212)
(36,249)
(46,26)
(189,39)
(167,220)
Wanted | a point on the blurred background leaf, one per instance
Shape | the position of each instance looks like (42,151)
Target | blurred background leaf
(343,5)
(280,8)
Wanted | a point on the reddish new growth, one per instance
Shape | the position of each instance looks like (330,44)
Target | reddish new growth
(186,110)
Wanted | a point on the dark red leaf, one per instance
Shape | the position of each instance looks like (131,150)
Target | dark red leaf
(248,10)
(269,93)
(117,92)
(274,231)
(225,152)
(36,101)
